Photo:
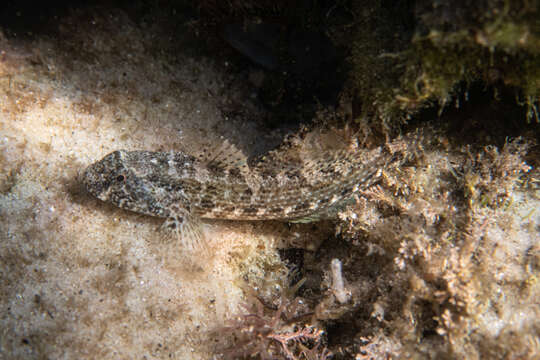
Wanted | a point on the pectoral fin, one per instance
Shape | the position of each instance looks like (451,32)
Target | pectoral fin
(186,228)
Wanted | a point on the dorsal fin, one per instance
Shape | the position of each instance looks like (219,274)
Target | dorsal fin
(313,156)
(224,157)
(228,159)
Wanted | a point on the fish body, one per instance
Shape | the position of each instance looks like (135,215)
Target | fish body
(184,188)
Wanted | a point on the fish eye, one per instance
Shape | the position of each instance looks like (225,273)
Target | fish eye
(120,178)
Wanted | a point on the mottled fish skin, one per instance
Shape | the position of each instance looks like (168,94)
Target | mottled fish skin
(173,184)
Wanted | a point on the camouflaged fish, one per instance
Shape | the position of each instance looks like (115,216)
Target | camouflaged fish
(220,185)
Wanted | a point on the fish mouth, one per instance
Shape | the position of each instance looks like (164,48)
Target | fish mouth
(94,181)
